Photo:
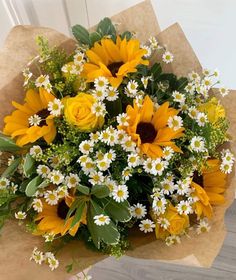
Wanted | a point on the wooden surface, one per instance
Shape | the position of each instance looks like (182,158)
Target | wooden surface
(224,267)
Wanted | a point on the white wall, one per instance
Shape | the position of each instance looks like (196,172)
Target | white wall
(208,24)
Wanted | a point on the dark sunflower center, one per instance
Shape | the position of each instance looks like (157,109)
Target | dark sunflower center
(198,178)
(114,67)
(62,209)
(147,132)
(43,114)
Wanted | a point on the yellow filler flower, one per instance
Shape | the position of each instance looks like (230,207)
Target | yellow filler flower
(148,127)
(113,60)
(32,120)
(52,218)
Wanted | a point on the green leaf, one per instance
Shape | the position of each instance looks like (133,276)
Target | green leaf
(29,165)
(105,27)
(118,211)
(94,37)
(127,35)
(83,189)
(33,185)
(24,184)
(74,206)
(100,191)
(156,70)
(106,233)
(12,168)
(7,144)
(114,108)
(78,213)
(81,34)
(182,83)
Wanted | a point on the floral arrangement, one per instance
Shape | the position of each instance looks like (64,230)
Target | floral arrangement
(105,141)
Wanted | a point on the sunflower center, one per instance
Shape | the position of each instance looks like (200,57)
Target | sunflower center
(147,132)
(43,114)
(62,209)
(114,67)
(198,178)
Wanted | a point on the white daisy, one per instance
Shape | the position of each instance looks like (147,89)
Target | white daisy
(99,94)
(103,164)
(122,119)
(190,88)
(132,88)
(227,156)
(168,152)
(128,144)
(226,167)
(138,211)
(96,178)
(184,207)
(99,109)
(62,192)
(148,165)
(51,197)
(37,256)
(206,72)
(183,187)
(178,97)
(56,177)
(193,112)
(175,122)
(172,239)
(201,119)
(168,186)
(86,146)
(52,261)
(207,82)
(79,58)
(193,76)
(4,183)
(101,220)
(111,184)
(101,83)
(146,226)
(126,173)
(35,151)
(88,166)
(94,137)
(55,107)
(159,205)
(42,81)
(197,144)
(120,193)
(110,155)
(167,57)
(203,226)
(158,167)
(49,237)
(72,180)
(112,94)
(37,205)
(148,51)
(163,222)
(133,160)
(43,170)
(224,91)
(20,215)
(34,120)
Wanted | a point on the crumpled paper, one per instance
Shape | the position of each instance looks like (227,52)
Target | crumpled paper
(16,245)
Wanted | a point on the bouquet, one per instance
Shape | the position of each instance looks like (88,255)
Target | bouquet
(114,148)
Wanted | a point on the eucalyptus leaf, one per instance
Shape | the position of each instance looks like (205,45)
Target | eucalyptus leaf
(127,35)
(12,168)
(94,37)
(83,189)
(78,213)
(100,191)
(118,211)
(81,34)
(33,185)
(106,27)
(7,144)
(29,165)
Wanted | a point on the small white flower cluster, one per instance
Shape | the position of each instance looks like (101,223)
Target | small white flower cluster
(157,166)
(43,81)
(48,258)
(55,107)
(228,160)
(27,75)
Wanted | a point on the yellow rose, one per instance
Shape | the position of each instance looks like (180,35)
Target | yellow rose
(213,109)
(178,223)
(78,111)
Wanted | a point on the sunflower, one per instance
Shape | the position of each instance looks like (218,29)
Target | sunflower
(209,188)
(32,120)
(113,60)
(52,218)
(148,127)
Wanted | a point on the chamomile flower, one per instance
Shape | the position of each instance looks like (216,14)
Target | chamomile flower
(132,88)
(193,112)
(111,184)
(168,186)
(126,173)
(101,83)
(138,211)
(133,160)
(193,76)
(55,107)
(172,240)
(96,178)
(184,207)
(153,43)
(112,94)
(43,170)
(103,164)
(203,226)
(49,237)
(158,167)
(183,187)
(224,91)
(99,109)
(144,81)
(227,156)
(163,222)
(226,167)
(201,119)
(99,94)
(56,177)
(20,215)
(128,144)
(197,144)
(206,72)
(52,261)
(148,51)
(34,120)
(4,183)
(101,220)
(10,160)
(79,58)
(94,137)
(122,119)
(175,122)
(27,75)
(36,151)
(62,192)
(207,82)
(86,146)
(42,81)
(110,155)
(37,205)
(51,197)
(72,180)
(190,88)
(216,73)
(178,97)
(146,226)
(167,57)
(88,166)
(120,193)
(37,256)
(148,165)
(168,152)
(159,205)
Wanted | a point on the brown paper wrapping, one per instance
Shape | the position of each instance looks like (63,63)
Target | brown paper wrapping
(15,244)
